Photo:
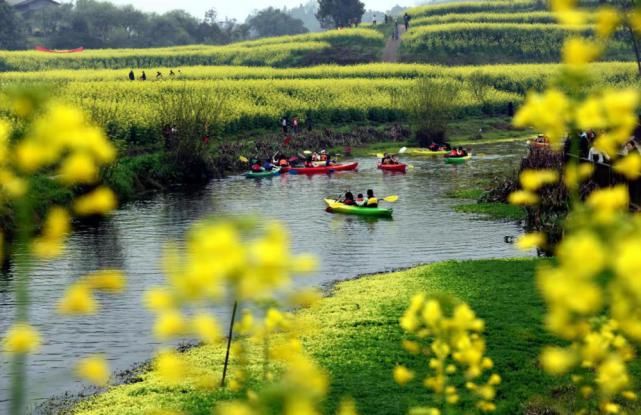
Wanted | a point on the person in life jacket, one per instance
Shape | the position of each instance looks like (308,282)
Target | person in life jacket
(387,159)
(372,201)
(323,155)
(255,166)
(315,156)
(349,199)
(283,161)
(453,153)
(267,165)
(360,200)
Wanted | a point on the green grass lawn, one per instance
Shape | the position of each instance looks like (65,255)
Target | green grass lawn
(357,339)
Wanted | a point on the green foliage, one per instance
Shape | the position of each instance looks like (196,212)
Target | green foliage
(11,33)
(432,105)
(479,43)
(340,13)
(273,22)
(355,45)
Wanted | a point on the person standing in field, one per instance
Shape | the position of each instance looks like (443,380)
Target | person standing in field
(283,123)
(295,125)
(132,76)
(309,122)
(395,35)
(144,76)
(406,19)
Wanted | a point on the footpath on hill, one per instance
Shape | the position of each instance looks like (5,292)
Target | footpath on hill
(392,51)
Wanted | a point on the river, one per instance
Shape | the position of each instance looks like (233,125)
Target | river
(424,229)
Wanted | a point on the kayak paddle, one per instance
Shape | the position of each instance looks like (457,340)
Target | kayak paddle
(390,199)
(243,159)
(403,150)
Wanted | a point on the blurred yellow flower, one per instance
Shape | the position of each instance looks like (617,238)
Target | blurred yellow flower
(159,299)
(578,51)
(347,407)
(171,367)
(607,202)
(575,174)
(78,168)
(531,241)
(207,328)
(533,180)
(94,369)
(12,185)
(78,300)
(634,17)
(402,375)
(557,360)
(583,254)
(98,202)
(170,324)
(107,280)
(21,338)
(612,376)
(523,198)
(629,166)
(607,20)
(234,408)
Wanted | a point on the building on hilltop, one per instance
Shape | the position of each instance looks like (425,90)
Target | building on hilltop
(27,6)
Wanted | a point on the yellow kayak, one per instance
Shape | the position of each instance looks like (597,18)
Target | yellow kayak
(424,152)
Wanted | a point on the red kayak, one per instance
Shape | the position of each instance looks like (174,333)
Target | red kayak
(322,169)
(400,167)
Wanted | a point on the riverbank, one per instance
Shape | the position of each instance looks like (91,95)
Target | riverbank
(357,339)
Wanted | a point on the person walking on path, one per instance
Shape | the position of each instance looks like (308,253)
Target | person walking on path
(406,19)
(132,76)
(283,123)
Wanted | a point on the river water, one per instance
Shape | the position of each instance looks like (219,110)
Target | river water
(424,229)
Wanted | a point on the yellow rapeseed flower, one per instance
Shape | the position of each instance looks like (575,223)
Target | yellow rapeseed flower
(557,360)
(206,327)
(347,407)
(572,19)
(5,134)
(171,367)
(78,300)
(573,254)
(94,369)
(58,223)
(575,174)
(629,166)
(170,324)
(21,338)
(523,198)
(579,52)
(533,180)
(78,168)
(12,185)
(531,241)
(607,20)
(159,299)
(634,17)
(107,280)
(607,202)
(402,375)
(612,376)
(411,346)
(98,202)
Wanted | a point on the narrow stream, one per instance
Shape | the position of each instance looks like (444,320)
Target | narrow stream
(424,229)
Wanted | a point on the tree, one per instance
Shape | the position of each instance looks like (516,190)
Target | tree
(432,105)
(339,13)
(11,34)
(273,22)
(306,13)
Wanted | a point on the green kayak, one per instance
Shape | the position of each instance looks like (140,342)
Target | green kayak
(259,175)
(457,160)
(337,207)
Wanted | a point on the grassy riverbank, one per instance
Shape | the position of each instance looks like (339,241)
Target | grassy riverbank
(357,339)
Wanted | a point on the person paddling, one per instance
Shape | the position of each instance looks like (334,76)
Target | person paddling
(372,201)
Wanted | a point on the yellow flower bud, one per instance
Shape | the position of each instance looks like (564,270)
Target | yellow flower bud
(98,202)
(94,369)
(402,375)
(78,300)
(21,338)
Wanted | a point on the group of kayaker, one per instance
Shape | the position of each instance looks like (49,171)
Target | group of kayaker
(389,159)
(439,146)
(457,152)
(370,201)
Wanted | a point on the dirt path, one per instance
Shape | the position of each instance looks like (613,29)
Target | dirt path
(392,52)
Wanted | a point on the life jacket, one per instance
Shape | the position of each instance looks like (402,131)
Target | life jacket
(283,163)
(453,153)
(372,202)
(323,157)
(360,201)
(256,167)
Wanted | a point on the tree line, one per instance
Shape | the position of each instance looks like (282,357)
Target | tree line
(99,24)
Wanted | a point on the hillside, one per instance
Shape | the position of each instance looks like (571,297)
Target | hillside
(342,47)
(493,32)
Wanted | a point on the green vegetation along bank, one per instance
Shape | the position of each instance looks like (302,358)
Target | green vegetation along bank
(357,338)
